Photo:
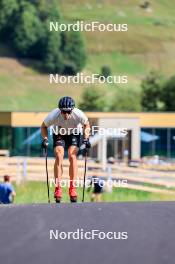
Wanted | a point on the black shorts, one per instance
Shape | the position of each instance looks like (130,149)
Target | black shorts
(66,140)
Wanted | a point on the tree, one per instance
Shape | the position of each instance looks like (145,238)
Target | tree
(30,37)
(73,51)
(151,99)
(50,44)
(105,71)
(27,29)
(7,10)
(52,57)
(61,52)
(47,10)
(125,100)
(93,100)
(168,94)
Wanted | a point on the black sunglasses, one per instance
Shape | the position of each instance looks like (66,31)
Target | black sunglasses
(66,112)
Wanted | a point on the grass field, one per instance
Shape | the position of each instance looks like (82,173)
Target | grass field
(148,44)
(36,192)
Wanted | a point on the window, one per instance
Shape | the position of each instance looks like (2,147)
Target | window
(161,143)
(5,137)
(26,141)
(158,141)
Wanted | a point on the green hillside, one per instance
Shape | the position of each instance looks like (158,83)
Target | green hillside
(148,44)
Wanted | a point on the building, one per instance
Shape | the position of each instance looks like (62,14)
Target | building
(148,134)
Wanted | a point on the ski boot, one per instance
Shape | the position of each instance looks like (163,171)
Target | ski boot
(58,194)
(73,194)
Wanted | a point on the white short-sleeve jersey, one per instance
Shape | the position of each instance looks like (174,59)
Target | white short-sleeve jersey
(55,119)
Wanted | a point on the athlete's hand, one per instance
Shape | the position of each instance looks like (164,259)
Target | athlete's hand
(87,143)
(45,143)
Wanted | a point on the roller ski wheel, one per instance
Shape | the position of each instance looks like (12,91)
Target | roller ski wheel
(73,199)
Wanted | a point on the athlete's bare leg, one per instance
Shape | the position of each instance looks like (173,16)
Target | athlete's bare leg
(73,169)
(59,155)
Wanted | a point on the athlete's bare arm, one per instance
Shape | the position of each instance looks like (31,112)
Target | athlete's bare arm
(87,130)
(44,131)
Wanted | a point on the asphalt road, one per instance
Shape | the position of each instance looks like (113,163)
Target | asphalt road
(25,233)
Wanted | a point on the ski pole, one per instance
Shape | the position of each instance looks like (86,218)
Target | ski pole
(85,165)
(48,193)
